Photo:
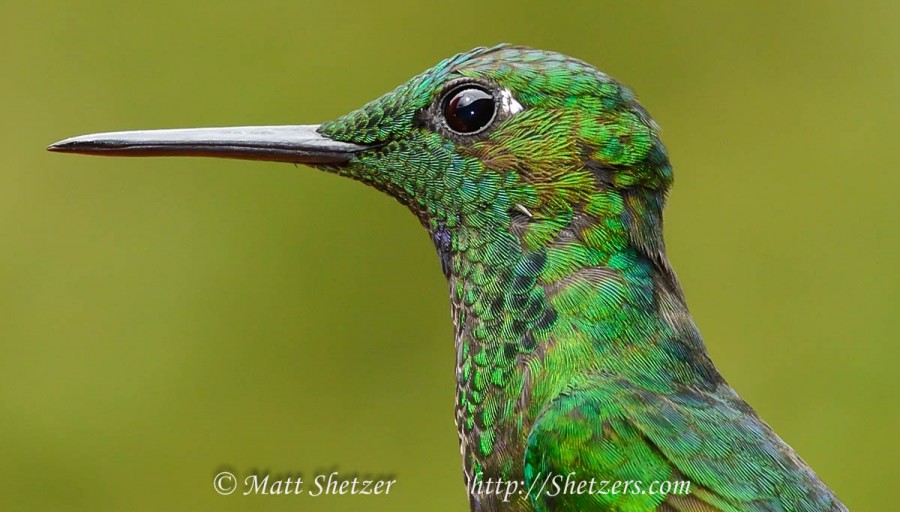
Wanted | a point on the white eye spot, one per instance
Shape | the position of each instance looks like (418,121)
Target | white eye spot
(508,103)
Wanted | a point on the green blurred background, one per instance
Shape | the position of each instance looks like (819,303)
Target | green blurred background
(164,318)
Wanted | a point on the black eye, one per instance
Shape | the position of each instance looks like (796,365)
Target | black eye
(469,110)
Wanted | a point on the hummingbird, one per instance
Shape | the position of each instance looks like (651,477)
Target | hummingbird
(581,379)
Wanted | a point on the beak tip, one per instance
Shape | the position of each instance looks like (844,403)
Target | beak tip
(65,145)
(86,144)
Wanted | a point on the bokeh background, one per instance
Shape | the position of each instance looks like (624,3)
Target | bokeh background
(161,319)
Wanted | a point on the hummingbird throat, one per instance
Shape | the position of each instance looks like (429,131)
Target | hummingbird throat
(539,299)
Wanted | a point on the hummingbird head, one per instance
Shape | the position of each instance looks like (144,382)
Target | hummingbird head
(510,148)
(528,142)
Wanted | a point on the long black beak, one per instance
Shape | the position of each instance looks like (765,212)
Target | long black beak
(301,144)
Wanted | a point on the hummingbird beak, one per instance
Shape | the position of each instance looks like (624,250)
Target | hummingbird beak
(300,144)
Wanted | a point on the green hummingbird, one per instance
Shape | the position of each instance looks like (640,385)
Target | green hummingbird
(581,379)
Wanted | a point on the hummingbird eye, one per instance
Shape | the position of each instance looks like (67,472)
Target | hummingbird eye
(469,109)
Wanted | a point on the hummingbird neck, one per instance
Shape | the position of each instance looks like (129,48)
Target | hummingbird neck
(544,300)
(517,279)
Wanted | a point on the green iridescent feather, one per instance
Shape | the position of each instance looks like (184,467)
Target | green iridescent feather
(575,349)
